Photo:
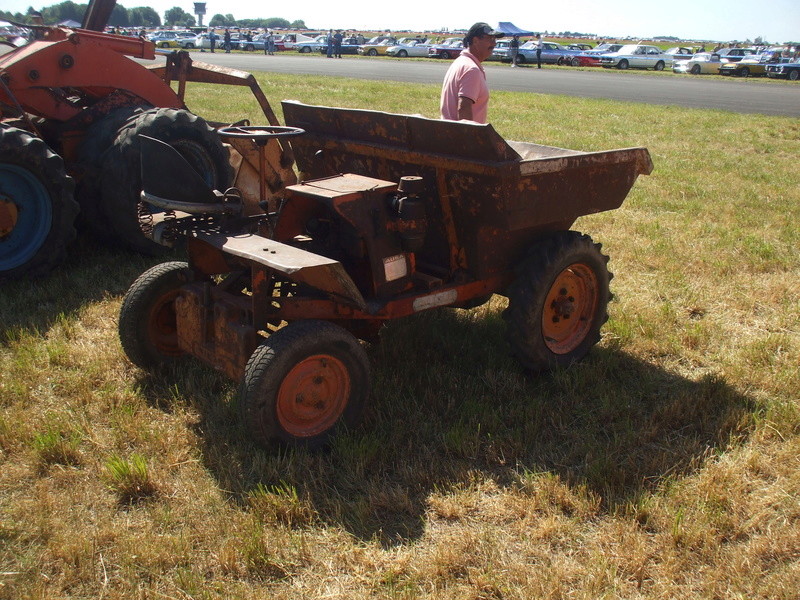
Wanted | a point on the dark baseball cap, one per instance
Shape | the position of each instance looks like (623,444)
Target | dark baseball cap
(482,29)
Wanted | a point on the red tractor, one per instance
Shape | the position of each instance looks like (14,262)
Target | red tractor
(73,106)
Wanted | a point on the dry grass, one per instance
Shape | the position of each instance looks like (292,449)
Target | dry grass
(664,466)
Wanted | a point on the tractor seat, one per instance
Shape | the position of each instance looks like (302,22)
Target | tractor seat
(171,183)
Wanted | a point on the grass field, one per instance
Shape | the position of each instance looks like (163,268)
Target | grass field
(666,465)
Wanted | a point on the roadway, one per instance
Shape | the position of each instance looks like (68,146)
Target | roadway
(690,91)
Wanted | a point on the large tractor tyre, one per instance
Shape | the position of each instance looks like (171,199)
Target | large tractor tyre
(148,326)
(97,140)
(37,208)
(558,302)
(303,384)
(190,135)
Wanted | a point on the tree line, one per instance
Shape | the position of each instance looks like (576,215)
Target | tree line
(143,16)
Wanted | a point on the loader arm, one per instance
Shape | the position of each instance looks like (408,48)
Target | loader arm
(59,76)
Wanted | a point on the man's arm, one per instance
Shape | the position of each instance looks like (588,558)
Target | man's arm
(465,108)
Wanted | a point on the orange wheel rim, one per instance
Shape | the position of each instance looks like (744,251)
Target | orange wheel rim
(313,395)
(570,308)
(162,326)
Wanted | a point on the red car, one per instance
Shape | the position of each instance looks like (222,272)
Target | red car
(450,48)
(591,58)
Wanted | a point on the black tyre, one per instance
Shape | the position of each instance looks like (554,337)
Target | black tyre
(97,140)
(659,66)
(559,302)
(444,54)
(744,72)
(37,208)
(148,328)
(402,54)
(372,52)
(303,384)
(560,61)
(794,75)
(189,46)
(575,62)
(622,65)
(696,70)
(520,59)
(305,50)
(249,47)
(121,183)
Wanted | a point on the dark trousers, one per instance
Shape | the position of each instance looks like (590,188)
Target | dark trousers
(539,59)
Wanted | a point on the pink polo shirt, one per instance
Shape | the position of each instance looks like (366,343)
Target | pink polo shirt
(465,77)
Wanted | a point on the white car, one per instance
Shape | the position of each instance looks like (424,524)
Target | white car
(411,48)
(637,56)
(703,62)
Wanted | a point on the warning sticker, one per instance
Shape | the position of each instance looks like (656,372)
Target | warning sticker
(395,267)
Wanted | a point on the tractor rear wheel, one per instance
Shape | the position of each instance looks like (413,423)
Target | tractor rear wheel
(148,326)
(37,209)
(97,140)
(558,303)
(303,384)
(190,135)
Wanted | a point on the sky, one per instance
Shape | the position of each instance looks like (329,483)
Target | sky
(776,21)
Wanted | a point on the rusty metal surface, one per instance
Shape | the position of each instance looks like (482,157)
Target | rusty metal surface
(487,199)
(299,265)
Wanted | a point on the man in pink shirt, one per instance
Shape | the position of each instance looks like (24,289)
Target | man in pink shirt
(465,94)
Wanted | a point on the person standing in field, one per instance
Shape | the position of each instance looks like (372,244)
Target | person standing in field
(513,50)
(465,93)
(539,46)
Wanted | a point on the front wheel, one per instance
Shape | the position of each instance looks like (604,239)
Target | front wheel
(575,62)
(558,302)
(696,70)
(659,66)
(303,384)
(402,54)
(305,50)
(148,325)
(372,52)
(444,54)
(560,61)
(744,72)
(794,75)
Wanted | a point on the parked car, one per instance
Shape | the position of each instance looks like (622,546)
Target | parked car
(680,52)
(289,41)
(318,44)
(755,65)
(413,48)
(637,56)
(165,39)
(735,54)
(378,45)
(701,63)
(449,48)
(591,58)
(790,71)
(350,45)
(580,46)
(552,53)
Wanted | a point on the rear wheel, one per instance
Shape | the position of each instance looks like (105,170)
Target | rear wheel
(304,383)
(520,59)
(148,326)
(37,209)
(696,70)
(794,75)
(190,135)
(622,65)
(560,61)
(372,52)
(575,62)
(744,72)
(558,303)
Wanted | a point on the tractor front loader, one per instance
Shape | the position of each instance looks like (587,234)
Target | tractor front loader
(74,104)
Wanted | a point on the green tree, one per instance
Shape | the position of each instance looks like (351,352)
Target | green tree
(177,16)
(144,16)
(62,12)
(119,17)
(299,24)
(217,20)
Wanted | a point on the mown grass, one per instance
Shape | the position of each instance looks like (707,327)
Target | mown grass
(664,466)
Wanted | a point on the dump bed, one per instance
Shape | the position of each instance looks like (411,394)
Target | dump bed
(487,197)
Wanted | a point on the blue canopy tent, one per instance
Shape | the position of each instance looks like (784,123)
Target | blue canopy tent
(508,28)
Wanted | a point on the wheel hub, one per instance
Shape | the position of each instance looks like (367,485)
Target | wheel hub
(9,214)
(313,395)
(569,308)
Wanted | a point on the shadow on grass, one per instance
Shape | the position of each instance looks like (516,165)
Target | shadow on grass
(90,273)
(449,406)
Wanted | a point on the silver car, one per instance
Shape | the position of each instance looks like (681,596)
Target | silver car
(637,56)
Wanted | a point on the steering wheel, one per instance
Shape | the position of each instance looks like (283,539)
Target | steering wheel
(259,133)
